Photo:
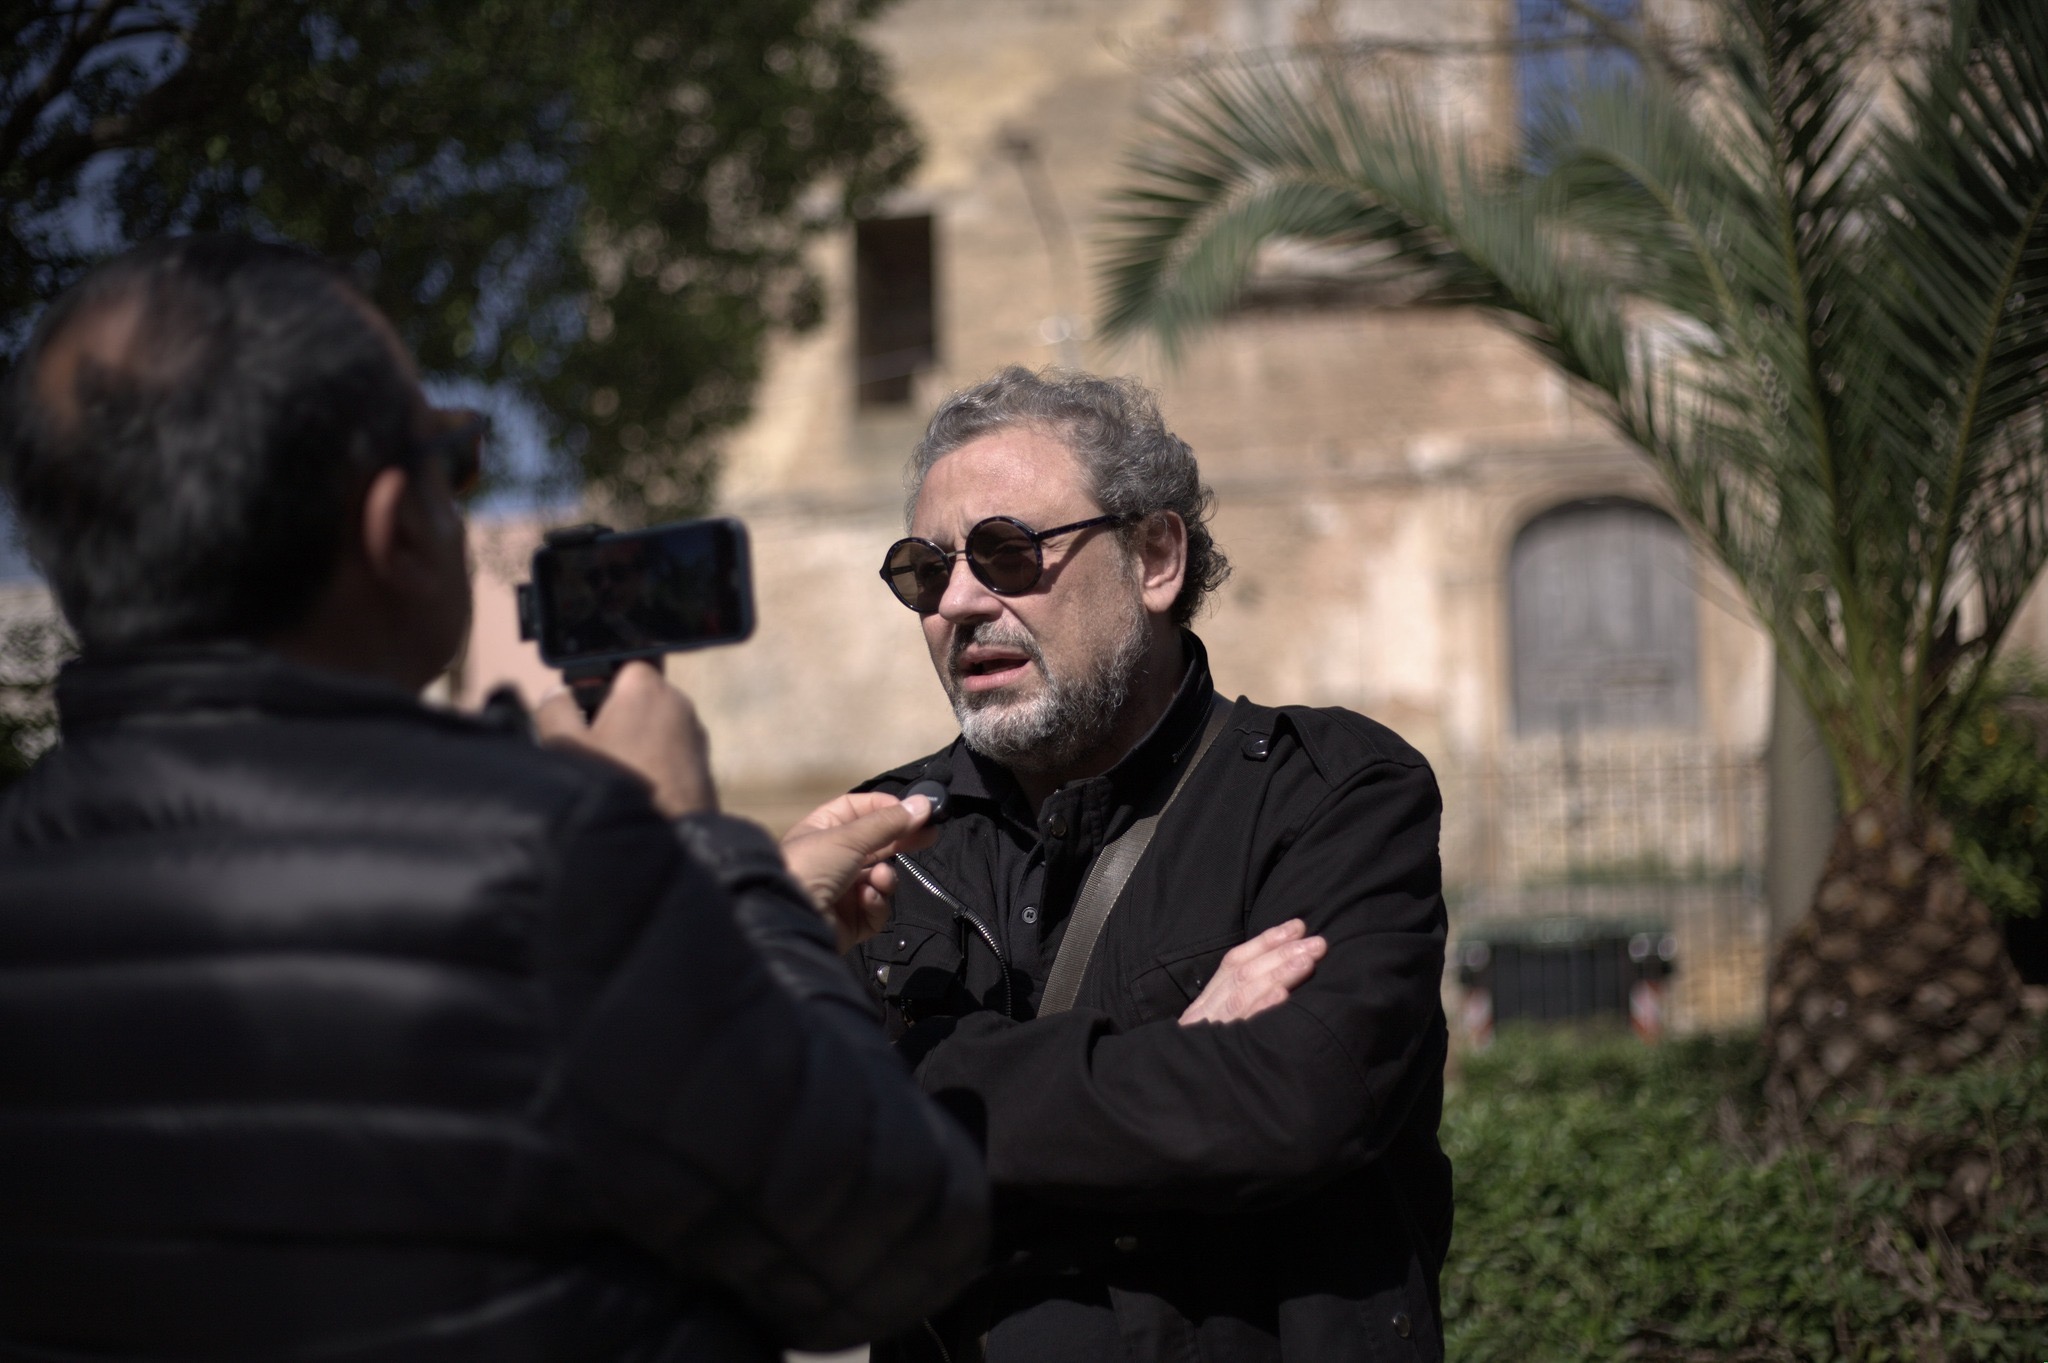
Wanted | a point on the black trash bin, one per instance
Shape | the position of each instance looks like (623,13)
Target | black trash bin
(1564,968)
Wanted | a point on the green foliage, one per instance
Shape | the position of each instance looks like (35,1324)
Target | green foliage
(601,206)
(1966,1153)
(1994,791)
(1827,331)
(1612,1205)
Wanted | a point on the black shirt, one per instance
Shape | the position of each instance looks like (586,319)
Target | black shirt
(1036,863)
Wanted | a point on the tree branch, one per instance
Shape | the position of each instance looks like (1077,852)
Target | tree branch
(183,95)
(78,44)
(162,27)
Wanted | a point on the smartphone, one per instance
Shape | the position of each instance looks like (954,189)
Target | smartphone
(600,596)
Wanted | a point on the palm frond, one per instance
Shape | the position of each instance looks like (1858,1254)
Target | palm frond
(1967,328)
(1828,333)
(1240,158)
(1250,156)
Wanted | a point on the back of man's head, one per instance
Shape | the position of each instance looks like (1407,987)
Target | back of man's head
(182,435)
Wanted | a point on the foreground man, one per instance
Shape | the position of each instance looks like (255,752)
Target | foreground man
(1257,1182)
(340,1028)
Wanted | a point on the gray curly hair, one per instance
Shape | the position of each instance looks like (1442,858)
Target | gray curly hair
(1134,464)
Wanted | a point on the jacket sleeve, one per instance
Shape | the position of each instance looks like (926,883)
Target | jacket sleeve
(1219,1117)
(727,1094)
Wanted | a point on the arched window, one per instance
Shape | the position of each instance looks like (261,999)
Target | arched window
(1604,634)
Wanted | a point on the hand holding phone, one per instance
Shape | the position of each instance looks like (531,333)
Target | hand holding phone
(600,599)
(651,729)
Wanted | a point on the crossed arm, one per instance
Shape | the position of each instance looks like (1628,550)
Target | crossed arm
(1215,1117)
(1258,974)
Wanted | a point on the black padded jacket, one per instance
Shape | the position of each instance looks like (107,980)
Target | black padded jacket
(334,1026)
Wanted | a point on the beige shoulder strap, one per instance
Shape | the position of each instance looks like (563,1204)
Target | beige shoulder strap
(1105,882)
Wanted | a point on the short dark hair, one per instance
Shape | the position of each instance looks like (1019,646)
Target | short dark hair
(1134,465)
(182,433)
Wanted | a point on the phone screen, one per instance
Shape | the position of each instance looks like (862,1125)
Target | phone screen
(647,591)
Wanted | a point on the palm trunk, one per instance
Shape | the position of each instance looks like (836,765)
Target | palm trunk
(1895,967)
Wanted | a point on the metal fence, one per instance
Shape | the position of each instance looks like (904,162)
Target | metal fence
(1621,827)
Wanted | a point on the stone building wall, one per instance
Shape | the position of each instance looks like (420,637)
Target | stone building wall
(1372,465)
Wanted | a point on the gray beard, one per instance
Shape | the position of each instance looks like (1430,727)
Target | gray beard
(1070,717)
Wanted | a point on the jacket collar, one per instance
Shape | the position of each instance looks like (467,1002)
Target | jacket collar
(1156,755)
(200,680)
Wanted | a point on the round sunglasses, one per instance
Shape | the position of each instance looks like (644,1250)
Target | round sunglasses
(1004,554)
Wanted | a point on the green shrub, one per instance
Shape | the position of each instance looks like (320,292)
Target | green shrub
(1994,791)
(1613,1203)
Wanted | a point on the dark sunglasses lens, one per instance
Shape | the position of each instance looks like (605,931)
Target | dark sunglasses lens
(1004,556)
(917,573)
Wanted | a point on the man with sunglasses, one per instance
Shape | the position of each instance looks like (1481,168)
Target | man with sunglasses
(337,1026)
(1209,1097)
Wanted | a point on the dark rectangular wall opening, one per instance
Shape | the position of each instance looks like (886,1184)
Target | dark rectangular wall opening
(896,331)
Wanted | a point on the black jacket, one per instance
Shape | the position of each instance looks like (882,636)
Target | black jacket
(1271,1188)
(333,1026)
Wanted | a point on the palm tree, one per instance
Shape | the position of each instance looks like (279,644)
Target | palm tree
(1813,290)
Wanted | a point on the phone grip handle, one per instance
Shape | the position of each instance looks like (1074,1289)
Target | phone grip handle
(590,683)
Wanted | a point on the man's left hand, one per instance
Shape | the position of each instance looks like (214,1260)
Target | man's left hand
(839,853)
(1258,974)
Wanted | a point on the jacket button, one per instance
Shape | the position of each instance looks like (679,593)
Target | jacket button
(1030,915)
(1058,826)
(1402,1325)
(1126,1244)
(1257,746)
